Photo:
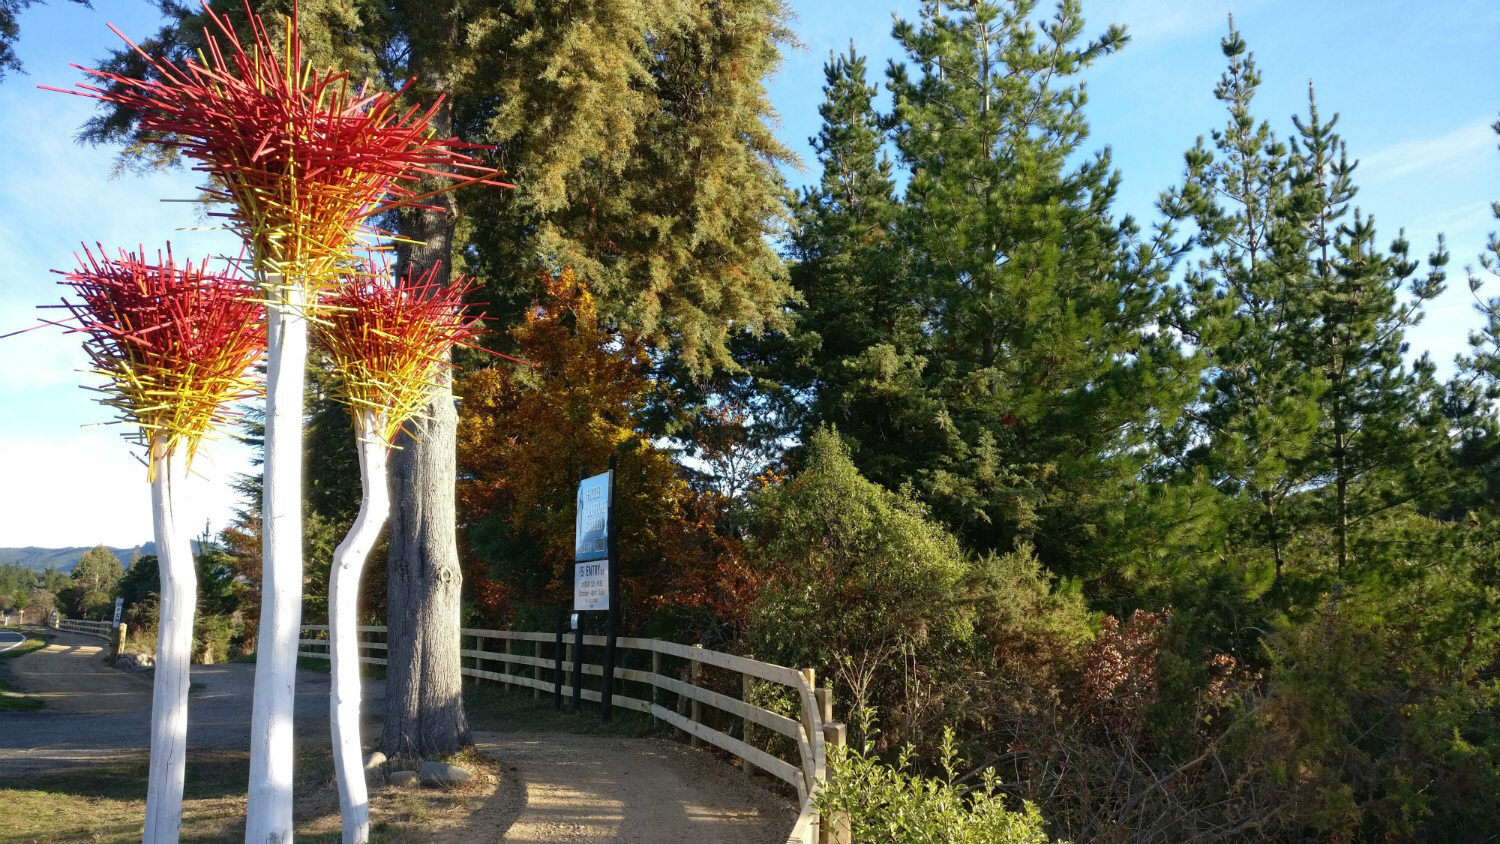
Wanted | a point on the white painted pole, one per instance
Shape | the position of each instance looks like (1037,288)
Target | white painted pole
(272,747)
(343,608)
(174,645)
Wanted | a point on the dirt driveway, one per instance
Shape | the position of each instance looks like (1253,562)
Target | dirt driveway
(556,787)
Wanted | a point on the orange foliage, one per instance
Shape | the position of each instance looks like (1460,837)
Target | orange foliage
(523,437)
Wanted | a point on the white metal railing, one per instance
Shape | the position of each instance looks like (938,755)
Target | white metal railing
(102,629)
(521,661)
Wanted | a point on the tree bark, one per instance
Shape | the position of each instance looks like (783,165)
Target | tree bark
(424,711)
(424,707)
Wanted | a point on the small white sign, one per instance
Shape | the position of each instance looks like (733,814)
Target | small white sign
(591,534)
(590,586)
(119,602)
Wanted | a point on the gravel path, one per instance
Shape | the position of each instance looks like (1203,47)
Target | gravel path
(591,789)
(558,788)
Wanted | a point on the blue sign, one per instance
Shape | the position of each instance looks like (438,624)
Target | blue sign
(591,536)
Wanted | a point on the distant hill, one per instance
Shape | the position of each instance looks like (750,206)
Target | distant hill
(65,558)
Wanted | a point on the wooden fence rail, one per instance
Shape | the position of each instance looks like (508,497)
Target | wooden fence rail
(529,660)
(102,629)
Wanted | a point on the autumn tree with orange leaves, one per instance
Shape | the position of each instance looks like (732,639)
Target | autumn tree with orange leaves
(523,437)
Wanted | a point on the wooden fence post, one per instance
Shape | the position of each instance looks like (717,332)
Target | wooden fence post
(118,642)
(747,685)
(656,670)
(505,668)
(837,829)
(695,677)
(577,667)
(557,664)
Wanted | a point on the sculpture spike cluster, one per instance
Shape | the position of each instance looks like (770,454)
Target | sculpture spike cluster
(301,160)
(390,339)
(176,342)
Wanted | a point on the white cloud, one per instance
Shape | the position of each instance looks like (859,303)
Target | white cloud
(1465,149)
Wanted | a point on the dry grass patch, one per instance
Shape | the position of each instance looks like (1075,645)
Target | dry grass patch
(105,804)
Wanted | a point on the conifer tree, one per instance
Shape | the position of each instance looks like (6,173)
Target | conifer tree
(1377,440)
(1045,363)
(1253,428)
(1308,407)
(859,335)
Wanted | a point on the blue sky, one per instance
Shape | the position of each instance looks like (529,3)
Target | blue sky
(1416,86)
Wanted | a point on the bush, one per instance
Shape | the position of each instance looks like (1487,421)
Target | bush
(890,806)
(211,637)
(857,583)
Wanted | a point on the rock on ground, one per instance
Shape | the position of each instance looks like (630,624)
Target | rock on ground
(443,774)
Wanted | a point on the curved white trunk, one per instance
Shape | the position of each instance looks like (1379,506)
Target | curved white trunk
(272,748)
(343,607)
(174,647)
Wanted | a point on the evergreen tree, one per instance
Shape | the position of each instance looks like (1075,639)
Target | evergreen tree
(1310,419)
(1252,431)
(1044,365)
(860,330)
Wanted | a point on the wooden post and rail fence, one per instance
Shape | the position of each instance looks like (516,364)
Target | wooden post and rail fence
(114,634)
(649,671)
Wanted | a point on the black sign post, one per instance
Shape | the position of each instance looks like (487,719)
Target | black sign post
(557,668)
(596,578)
(577,662)
(612,619)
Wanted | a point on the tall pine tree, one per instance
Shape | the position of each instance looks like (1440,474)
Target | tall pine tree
(1045,364)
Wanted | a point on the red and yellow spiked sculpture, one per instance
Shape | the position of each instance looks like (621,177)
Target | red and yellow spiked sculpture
(176,344)
(301,160)
(390,344)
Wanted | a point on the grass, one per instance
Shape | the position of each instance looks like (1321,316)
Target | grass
(105,803)
(12,702)
(34,642)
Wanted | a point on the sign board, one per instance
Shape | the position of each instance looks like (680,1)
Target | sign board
(119,602)
(591,534)
(591,586)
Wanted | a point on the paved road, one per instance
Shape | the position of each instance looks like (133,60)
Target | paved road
(93,711)
(10,639)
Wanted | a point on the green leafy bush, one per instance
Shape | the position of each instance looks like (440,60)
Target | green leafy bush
(857,583)
(886,805)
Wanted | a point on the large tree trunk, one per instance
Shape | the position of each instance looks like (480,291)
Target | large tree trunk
(424,708)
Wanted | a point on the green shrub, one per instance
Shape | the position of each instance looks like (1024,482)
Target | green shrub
(211,638)
(886,805)
(858,584)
